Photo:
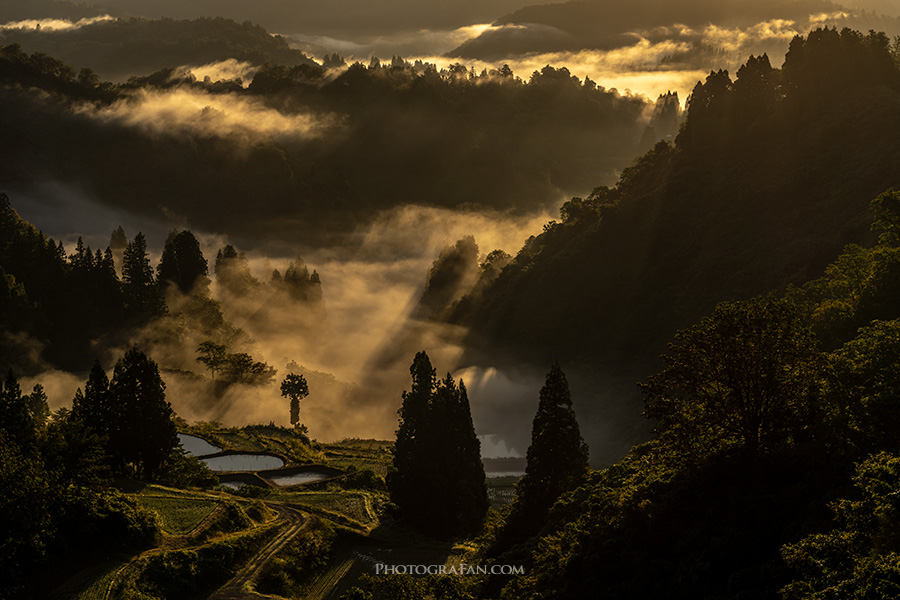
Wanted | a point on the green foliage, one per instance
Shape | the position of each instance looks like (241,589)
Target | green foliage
(864,382)
(746,376)
(691,224)
(178,516)
(295,387)
(558,456)
(557,462)
(860,558)
(94,406)
(142,430)
(16,420)
(298,563)
(143,299)
(180,470)
(25,519)
(362,479)
(182,574)
(887,218)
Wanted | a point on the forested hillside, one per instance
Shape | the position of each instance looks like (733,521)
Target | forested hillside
(313,146)
(118,49)
(770,176)
(773,468)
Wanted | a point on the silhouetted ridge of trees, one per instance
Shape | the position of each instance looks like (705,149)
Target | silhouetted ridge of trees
(769,177)
(459,137)
(62,310)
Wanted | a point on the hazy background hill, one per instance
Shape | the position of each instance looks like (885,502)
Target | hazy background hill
(117,49)
(343,18)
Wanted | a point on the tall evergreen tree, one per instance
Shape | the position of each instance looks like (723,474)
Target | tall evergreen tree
(183,264)
(558,456)
(437,480)
(142,297)
(143,431)
(93,406)
(38,408)
(462,457)
(15,418)
(410,467)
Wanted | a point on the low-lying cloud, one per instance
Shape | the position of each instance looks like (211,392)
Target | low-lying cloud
(423,42)
(189,110)
(55,25)
(225,70)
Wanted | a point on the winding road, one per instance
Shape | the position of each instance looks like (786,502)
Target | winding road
(237,588)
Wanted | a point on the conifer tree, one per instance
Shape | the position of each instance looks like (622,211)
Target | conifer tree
(557,459)
(93,406)
(183,264)
(38,408)
(437,480)
(15,418)
(141,295)
(142,431)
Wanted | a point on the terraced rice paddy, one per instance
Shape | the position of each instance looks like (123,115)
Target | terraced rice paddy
(178,516)
(196,446)
(244,462)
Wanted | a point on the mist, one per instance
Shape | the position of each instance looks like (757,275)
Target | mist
(189,111)
(354,348)
(54,25)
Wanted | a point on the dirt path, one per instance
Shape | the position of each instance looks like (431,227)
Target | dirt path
(235,588)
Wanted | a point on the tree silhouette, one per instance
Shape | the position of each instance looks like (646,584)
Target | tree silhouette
(183,264)
(294,387)
(143,430)
(93,406)
(746,375)
(38,408)
(214,356)
(557,459)
(15,418)
(437,480)
(143,299)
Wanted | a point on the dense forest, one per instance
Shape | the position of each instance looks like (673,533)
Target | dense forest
(770,176)
(314,145)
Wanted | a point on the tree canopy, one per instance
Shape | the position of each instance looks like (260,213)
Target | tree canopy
(437,480)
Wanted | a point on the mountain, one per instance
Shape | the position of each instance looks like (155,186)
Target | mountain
(769,178)
(344,18)
(120,48)
(303,146)
(662,33)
